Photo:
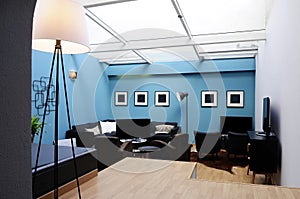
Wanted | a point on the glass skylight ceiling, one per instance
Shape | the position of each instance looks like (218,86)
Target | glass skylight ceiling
(140,14)
(141,28)
(217,16)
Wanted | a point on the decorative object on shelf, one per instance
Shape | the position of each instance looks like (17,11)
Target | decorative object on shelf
(39,88)
(180,96)
(209,98)
(121,98)
(57,24)
(162,98)
(235,99)
(141,98)
(72,74)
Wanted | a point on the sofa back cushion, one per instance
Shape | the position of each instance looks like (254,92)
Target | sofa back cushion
(130,128)
(160,126)
(88,127)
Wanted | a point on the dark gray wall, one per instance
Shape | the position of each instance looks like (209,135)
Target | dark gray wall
(15,98)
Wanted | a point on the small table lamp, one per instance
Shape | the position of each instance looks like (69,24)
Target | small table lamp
(57,25)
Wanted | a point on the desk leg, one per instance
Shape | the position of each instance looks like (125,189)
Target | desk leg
(270,175)
(253,177)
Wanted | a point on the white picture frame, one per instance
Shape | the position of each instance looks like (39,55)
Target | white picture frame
(209,98)
(235,99)
(162,98)
(121,98)
(141,98)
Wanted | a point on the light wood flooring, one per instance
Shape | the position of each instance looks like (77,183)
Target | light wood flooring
(222,169)
(136,178)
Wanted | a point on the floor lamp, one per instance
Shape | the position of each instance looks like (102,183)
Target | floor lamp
(58,24)
(180,96)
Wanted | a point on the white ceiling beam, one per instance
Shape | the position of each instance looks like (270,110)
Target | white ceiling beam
(210,39)
(230,55)
(185,25)
(226,52)
(95,3)
(106,27)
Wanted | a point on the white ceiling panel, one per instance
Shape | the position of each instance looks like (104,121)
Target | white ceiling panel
(139,31)
(217,16)
(142,14)
(97,34)
(184,53)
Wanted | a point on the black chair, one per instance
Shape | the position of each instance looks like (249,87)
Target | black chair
(237,144)
(177,149)
(207,143)
(110,150)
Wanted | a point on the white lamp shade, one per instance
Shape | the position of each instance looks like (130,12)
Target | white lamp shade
(180,96)
(60,20)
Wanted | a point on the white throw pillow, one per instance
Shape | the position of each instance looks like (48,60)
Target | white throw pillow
(161,132)
(164,127)
(95,130)
(108,127)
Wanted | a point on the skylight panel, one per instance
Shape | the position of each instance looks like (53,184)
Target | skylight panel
(217,16)
(97,34)
(129,17)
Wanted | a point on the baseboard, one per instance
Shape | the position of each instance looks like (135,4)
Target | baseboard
(71,185)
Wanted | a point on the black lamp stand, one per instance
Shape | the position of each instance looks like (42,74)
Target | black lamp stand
(57,55)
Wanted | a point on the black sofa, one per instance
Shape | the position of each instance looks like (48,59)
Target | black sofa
(125,128)
(109,148)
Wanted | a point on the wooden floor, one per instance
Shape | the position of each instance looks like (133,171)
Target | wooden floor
(148,178)
(222,169)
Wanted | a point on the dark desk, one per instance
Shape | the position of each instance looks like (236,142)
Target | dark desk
(44,181)
(263,154)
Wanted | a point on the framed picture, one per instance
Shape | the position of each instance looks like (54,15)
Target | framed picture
(121,98)
(141,98)
(235,99)
(209,98)
(162,98)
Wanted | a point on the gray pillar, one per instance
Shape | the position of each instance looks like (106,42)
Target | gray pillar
(15,98)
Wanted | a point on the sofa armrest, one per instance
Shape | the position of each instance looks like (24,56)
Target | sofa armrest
(175,130)
(71,134)
(85,139)
(161,144)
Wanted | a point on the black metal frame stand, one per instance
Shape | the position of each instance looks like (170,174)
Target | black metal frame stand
(58,56)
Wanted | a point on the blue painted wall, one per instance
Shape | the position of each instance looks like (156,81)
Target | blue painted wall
(92,94)
(41,65)
(200,118)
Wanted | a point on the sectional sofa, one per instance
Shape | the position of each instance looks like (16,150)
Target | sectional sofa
(109,137)
(85,134)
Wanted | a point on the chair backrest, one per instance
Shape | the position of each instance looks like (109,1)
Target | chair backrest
(207,142)
(180,140)
(174,149)
(85,139)
(237,143)
(182,147)
(108,151)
